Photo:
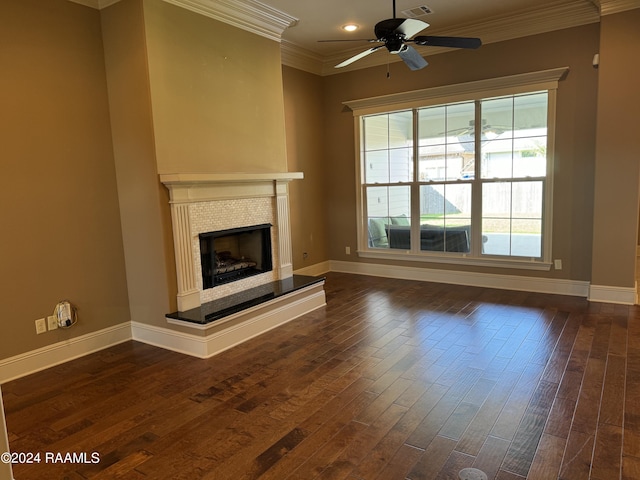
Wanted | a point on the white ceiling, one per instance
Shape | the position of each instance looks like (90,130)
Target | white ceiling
(323,19)
(299,24)
(490,20)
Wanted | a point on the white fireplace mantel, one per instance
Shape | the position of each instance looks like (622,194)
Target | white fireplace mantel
(187,189)
(200,178)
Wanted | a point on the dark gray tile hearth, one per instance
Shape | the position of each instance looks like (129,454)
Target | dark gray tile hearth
(223,307)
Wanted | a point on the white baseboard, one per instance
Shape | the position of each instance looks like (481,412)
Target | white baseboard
(61,352)
(472,279)
(315,270)
(220,336)
(213,340)
(607,294)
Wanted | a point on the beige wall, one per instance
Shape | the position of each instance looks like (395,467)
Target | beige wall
(617,152)
(574,161)
(187,94)
(305,153)
(61,235)
(216,93)
(144,203)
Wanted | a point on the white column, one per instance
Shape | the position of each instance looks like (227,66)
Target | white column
(188,293)
(284,230)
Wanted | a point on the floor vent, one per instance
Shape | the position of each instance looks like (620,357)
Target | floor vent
(472,474)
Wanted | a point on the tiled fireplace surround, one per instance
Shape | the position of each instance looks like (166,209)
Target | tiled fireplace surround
(209,202)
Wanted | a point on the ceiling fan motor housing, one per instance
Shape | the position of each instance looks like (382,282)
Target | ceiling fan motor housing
(395,43)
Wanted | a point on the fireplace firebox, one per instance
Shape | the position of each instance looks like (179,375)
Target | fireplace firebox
(233,254)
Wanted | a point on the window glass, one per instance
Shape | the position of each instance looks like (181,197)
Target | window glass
(388,147)
(447,144)
(389,217)
(445,217)
(486,176)
(512,218)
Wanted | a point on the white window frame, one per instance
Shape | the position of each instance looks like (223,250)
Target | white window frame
(546,80)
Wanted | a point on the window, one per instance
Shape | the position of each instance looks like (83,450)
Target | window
(460,178)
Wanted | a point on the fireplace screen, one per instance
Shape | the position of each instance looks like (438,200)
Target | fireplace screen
(234,254)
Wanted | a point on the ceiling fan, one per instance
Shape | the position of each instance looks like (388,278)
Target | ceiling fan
(395,34)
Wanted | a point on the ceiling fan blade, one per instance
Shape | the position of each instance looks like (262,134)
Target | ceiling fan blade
(404,26)
(412,58)
(410,26)
(349,61)
(453,42)
(387,27)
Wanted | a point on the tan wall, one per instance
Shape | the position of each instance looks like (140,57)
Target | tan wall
(216,94)
(574,161)
(61,235)
(305,153)
(187,94)
(617,152)
(144,203)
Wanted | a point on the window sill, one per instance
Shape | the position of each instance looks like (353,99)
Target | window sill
(457,259)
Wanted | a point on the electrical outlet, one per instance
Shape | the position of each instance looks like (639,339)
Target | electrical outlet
(52,322)
(557,264)
(41,326)
(347,250)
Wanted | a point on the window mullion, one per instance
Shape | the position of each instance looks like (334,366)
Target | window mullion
(415,187)
(476,186)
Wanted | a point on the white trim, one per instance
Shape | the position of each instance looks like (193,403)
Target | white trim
(490,87)
(472,279)
(235,330)
(191,179)
(248,15)
(610,294)
(61,352)
(97,4)
(315,270)
(456,259)
(609,7)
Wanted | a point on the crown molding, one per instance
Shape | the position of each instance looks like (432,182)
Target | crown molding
(609,7)
(97,4)
(521,24)
(249,15)
(300,58)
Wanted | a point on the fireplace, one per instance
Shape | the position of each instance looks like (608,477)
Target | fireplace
(210,213)
(235,254)
(226,202)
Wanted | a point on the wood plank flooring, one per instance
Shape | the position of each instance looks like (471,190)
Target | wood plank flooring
(393,379)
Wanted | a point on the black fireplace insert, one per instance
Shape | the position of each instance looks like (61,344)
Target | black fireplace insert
(234,254)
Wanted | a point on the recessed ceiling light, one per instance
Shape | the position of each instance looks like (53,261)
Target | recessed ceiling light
(350,27)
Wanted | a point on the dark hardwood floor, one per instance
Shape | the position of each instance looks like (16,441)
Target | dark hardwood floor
(393,379)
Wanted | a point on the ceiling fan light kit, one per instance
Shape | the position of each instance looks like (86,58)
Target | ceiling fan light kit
(396,33)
